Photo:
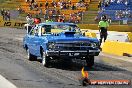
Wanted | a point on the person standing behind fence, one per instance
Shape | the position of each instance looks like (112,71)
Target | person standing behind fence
(8,15)
(3,13)
(103,25)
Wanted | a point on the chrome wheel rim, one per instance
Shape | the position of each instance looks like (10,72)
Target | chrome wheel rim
(44,59)
(28,53)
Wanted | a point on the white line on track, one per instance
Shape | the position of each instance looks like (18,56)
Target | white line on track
(4,83)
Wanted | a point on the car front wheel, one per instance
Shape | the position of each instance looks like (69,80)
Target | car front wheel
(45,60)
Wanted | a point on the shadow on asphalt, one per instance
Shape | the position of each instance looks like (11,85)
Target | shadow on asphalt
(73,66)
(65,65)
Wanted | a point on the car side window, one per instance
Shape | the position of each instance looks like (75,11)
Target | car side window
(46,28)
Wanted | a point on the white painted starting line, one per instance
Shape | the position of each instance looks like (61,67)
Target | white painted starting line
(4,83)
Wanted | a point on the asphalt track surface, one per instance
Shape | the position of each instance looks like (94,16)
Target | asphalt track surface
(15,67)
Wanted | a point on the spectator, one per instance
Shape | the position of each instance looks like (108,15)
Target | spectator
(99,4)
(37,20)
(26,1)
(59,3)
(109,19)
(64,6)
(53,3)
(78,19)
(32,1)
(3,13)
(46,14)
(30,20)
(82,4)
(40,11)
(73,7)
(69,2)
(49,20)
(60,19)
(78,4)
(35,4)
(96,19)
(46,4)
(86,5)
(31,6)
(19,9)
(126,3)
(106,4)
(40,4)
(112,1)
(8,15)
(119,1)
(67,6)
(58,12)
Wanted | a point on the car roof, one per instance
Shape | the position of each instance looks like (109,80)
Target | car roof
(56,23)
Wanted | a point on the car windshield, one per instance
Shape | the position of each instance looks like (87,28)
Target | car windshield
(57,28)
(64,27)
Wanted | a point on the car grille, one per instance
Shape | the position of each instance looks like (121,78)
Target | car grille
(72,46)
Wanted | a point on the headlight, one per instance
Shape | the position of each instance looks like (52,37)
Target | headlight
(94,45)
(51,45)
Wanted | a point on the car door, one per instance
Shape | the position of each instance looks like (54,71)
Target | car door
(36,45)
(36,42)
(30,39)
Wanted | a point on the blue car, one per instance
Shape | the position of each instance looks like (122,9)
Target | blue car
(59,41)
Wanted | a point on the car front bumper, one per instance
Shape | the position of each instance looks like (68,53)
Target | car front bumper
(73,53)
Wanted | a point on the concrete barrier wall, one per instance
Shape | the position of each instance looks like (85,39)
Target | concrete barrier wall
(119,28)
(112,35)
(129,36)
(117,48)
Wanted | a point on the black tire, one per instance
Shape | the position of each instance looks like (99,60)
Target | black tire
(45,60)
(30,56)
(90,61)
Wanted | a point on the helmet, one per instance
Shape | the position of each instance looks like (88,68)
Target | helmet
(104,18)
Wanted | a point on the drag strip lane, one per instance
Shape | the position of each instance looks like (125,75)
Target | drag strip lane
(32,74)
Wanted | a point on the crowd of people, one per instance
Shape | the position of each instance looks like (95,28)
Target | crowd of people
(62,4)
(123,14)
(57,16)
(76,17)
(117,14)
(56,7)
(5,14)
(106,3)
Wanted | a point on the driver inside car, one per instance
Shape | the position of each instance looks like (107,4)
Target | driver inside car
(43,30)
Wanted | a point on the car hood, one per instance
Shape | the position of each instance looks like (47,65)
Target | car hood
(71,39)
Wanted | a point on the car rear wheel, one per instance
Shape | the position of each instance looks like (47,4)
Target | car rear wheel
(30,56)
(45,60)
(90,61)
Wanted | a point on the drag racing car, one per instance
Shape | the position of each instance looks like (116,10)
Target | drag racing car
(44,42)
